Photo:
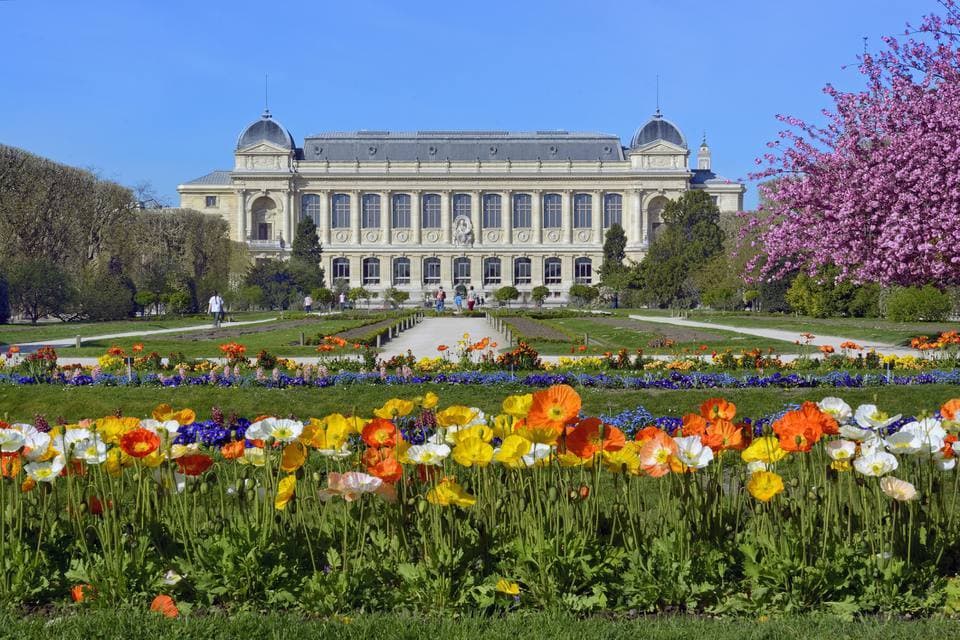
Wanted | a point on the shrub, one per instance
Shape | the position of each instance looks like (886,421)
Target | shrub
(582,294)
(912,304)
(179,302)
(322,296)
(505,295)
(539,294)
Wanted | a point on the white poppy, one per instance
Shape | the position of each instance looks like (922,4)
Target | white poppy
(903,442)
(869,416)
(837,408)
(876,464)
(930,433)
(429,453)
(897,489)
(841,449)
(11,440)
(45,471)
(692,453)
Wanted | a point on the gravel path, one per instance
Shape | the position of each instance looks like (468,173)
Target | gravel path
(423,339)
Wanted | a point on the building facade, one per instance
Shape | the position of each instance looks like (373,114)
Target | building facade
(420,210)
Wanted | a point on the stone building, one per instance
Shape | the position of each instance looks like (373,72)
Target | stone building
(417,210)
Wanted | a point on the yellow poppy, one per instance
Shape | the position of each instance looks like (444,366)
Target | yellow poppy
(293,457)
(508,588)
(393,408)
(766,449)
(763,485)
(430,400)
(518,406)
(512,450)
(625,460)
(456,416)
(285,491)
(473,451)
(448,492)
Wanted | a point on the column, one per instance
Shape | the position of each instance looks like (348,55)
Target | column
(415,214)
(356,270)
(476,202)
(506,270)
(506,216)
(385,219)
(597,215)
(643,220)
(446,274)
(566,272)
(324,226)
(445,230)
(635,219)
(288,219)
(536,270)
(416,274)
(241,228)
(566,218)
(355,206)
(536,217)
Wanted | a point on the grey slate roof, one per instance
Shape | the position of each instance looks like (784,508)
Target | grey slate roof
(657,128)
(703,176)
(213,178)
(266,129)
(461,146)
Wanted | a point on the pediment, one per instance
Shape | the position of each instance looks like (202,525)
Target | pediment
(659,147)
(263,147)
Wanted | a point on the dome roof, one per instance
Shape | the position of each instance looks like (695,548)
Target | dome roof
(266,129)
(657,128)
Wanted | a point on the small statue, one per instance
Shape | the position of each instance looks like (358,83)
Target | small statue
(462,231)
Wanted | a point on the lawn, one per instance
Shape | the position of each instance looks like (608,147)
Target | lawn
(73,403)
(874,329)
(132,624)
(610,334)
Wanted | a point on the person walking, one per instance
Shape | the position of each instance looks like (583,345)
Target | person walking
(343,300)
(458,300)
(471,299)
(441,298)
(215,309)
(308,304)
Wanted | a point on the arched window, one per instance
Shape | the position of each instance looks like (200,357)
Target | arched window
(370,211)
(371,271)
(522,211)
(341,269)
(430,211)
(612,210)
(340,211)
(491,211)
(401,211)
(263,210)
(655,213)
(522,271)
(431,271)
(552,210)
(582,210)
(552,271)
(310,208)
(401,271)
(461,205)
(461,271)
(491,271)
(583,271)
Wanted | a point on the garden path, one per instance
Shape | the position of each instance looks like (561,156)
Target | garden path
(778,334)
(423,339)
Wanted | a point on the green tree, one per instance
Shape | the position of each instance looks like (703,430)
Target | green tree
(359,293)
(323,296)
(102,294)
(719,283)
(39,288)
(539,294)
(305,257)
(505,295)
(913,304)
(614,274)
(583,294)
(4,300)
(690,237)
(396,296)
(275,281)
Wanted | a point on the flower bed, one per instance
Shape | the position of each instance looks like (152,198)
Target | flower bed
(428,508)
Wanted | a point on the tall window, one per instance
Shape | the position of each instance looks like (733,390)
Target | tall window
(370,211)
(461,205)
(582,210)
(491,211)
(430,214)
(310,207)
(401,211)
(461,271)
(551,271)
(401,271)
(491,271)
(431,271)
(612,210)
(341,269)
(371,271)
(522,271)
(211,201)
(340,211)
(522,210)
(552,210)
(583,271)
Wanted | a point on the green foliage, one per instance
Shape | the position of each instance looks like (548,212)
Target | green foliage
(823,296)
(397,296)
(322,296)
(690,236)
(359,293)
(275,281)
(911,304)
(180,302)
(583,294)
(305,257)
(39,288)
(539,294)
(613,273)
(4,300)
(507,294)
(102,295)
(719,284)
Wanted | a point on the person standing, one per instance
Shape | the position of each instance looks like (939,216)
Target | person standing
(441,298)
(343,300)
(471,299)
(215,308)
(308,304)
(458,300)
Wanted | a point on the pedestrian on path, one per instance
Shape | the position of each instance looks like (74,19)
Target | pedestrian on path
(215,308)
(343,300)
(441,299)
(458,300)
(471,299)
(308,304)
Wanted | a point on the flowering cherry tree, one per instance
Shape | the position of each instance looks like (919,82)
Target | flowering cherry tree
(876,190)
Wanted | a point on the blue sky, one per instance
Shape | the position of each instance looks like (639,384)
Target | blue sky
(158,91)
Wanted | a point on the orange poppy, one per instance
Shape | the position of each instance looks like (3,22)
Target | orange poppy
(722,435)
(194,464)
(373,456)
(81,592)
(233,450)
(554,407)
(951,409)
(442,347)
(694,425)
(137,347)
(388,470)
(10,465)
(947,449)
(139,443)
(165,605)
(826,349)
(657,454)
(646,434)
(799,430)
(718,409)
(379,432)
(591,436)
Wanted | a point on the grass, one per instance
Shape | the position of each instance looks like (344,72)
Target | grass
(17,333)
(74,403)
(136,624)
(613,334)
(873,329)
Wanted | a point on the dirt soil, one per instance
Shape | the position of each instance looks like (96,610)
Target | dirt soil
(234,333)
(677,334)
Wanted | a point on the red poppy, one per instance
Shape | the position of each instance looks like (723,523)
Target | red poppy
(139,443)
(591,436)
(388,470)
(442,348)
(10,465)
(165,605)
(194,464)
(380,432)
